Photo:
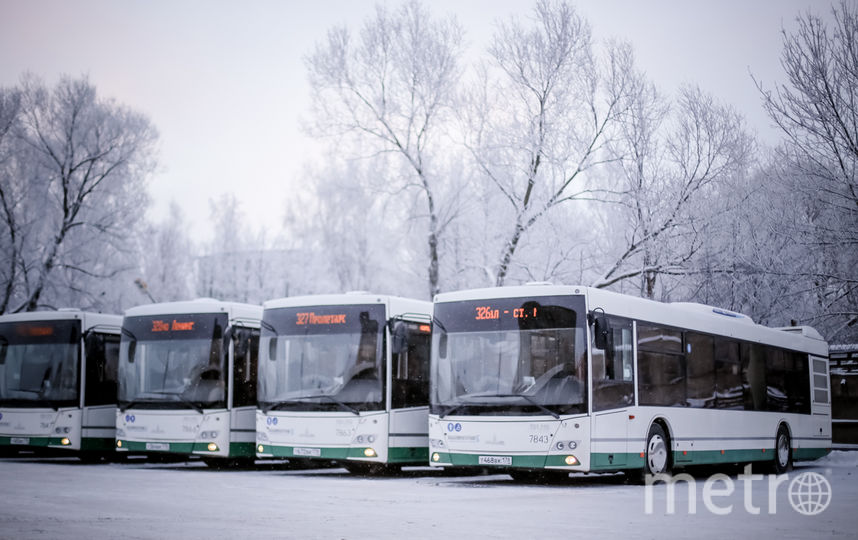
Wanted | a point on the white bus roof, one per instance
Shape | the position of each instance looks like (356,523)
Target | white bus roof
(234,310)
(691,316)
(396,305)
(88,319)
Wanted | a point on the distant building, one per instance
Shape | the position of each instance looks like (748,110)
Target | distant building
(843,363)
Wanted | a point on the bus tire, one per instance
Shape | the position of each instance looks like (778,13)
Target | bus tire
(782,462)
(657,455)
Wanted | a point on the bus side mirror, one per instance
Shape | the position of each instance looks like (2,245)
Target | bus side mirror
(92,341)
(442,345)
(132,349)
(241,341)
(601,330)
(272,348)
(398,338)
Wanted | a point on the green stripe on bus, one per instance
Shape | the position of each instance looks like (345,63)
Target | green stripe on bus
(408,454)
(174,447)
(36,442)
(88,444)
(242,449)
(289,451)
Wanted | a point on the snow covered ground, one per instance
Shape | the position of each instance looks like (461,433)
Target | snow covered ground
(62,498)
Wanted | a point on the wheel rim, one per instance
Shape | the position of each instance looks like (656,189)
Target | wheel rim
(783,450)
(656,454)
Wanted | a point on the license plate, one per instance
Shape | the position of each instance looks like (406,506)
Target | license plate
(495,460)
(19,440)
(157,446)
(313,452)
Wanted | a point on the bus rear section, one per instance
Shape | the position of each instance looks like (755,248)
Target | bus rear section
(58,373)
(538,378)
(345,378)
(188,381)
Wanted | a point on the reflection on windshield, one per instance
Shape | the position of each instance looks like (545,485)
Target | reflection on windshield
(173,370)
(509,356)
(323,371)
(40,363)
(40,373)
(540,365)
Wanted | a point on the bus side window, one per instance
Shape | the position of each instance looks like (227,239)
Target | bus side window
(754,376)
(411,369)
(701,370)
(661,366)
(102,367)
(613,374)
(728,375)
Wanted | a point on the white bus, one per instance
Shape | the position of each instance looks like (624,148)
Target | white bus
(187,380)
(58,381)
(345,378)
(538,378)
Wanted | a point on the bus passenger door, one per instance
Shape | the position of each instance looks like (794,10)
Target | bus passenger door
(409,399)
(613,387)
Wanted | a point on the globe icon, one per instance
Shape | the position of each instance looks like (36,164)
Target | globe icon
(809,493)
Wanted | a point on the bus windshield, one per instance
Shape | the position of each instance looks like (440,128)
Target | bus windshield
(173,361)
(40,363)
(510,356)
(322,358)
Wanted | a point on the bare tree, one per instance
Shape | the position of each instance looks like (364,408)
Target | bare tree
(670,162)
(167,265)
(84,161)
(390,87)
(817,111)
(540,115)
(12,188)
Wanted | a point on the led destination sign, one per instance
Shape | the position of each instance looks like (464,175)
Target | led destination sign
(306,318)
(528,313)
(176,326)
(336,319)
(486,313)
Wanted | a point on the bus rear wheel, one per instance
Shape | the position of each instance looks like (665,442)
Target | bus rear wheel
(657,456)
(783,451)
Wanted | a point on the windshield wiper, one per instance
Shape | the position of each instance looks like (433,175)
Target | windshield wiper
(299,399)
(181,398)
(529,399)
(455,407)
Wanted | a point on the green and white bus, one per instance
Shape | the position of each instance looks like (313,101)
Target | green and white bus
(187,380)
(58,382)
(345,378)
(540,378)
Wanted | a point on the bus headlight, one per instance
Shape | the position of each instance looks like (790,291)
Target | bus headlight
(369,452)
(560,445)
(59,430)
(571,460)
(118,444)
(212,447)
(436,443)
(208,435)
(65,441)
(436,457)
(260,449)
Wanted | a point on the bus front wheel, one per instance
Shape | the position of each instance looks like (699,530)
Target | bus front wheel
(657,455)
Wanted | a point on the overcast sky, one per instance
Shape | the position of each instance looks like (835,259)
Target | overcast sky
(224,82)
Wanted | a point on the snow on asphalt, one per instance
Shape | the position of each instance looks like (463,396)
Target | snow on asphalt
(62,498)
